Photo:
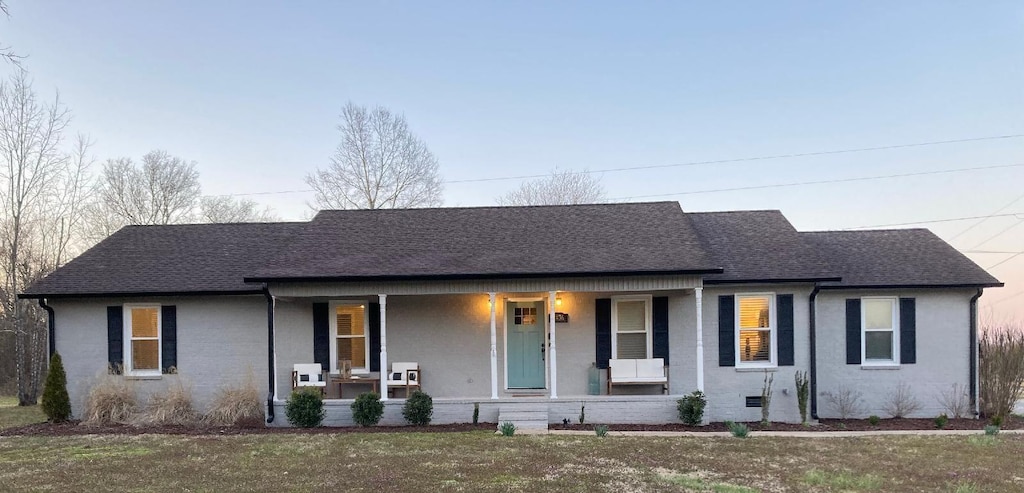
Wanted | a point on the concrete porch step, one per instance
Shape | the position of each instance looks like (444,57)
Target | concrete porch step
(529,417)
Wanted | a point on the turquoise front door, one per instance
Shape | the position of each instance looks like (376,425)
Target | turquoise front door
(525,328)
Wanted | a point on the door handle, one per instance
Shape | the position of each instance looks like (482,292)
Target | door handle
(543,350)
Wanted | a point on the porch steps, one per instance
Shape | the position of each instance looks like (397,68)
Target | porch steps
(529,417)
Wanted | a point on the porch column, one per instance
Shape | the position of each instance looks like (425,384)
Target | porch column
(383,347)
(494,348)
(551,348)
(698,294)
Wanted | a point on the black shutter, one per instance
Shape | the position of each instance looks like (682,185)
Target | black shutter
(727,331)
(169,337)
(784,304)
(853,331)
(603,331)
(374,318)
(322,335)
(908,331)
(115,338)
(660,326)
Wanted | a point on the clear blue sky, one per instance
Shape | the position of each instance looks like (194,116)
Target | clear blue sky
(252,91)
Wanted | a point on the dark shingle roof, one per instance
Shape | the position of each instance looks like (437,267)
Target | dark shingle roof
(170,259)
(758,246)
(493,242)
(897,257)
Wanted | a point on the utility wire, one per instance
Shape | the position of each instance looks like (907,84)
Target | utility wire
(1000,233)
(1001,209)
(933,221)
(820,182)
(1008,298)
(1005,260)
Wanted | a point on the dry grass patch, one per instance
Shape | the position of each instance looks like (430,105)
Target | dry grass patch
(112,399)
(237,404)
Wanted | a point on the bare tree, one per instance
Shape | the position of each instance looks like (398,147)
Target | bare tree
(5,51)
(378,164)
(163,190)
(31,164)
(223,209)
(561,188)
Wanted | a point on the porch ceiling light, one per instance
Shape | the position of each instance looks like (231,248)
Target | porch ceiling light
(558,301)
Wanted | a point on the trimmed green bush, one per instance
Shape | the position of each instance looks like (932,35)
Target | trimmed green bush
(367,409)
(56,403)
(305,408)
(874,420)
(418,409)
(691,408)
(941,421)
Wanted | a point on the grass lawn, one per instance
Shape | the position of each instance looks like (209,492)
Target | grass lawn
(11,415)
(482,461)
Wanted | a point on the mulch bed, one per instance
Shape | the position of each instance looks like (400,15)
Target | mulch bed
(75,428)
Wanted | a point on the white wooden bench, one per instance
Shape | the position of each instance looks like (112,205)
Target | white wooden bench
(650,371)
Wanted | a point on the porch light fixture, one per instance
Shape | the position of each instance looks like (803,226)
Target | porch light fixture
(558,301)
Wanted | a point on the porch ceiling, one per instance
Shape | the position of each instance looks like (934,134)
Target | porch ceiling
(578,284)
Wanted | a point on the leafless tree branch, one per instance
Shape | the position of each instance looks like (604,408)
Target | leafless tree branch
(561,188)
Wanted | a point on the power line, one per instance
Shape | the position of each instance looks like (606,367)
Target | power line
(993,252)
(934,221)
(1001,209)
(691,163)
(1001,232)
(820,182)
(1008,298)
(1005,260)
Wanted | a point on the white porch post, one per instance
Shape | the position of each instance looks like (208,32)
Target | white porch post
(551,349)
(699,296)
(383,346)
(494,348)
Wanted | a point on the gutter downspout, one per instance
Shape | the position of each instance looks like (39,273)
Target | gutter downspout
(50,325)
(974,352)
(271,360)
(812,326)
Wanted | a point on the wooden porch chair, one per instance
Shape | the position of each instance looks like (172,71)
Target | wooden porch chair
(405,375)
(309,375)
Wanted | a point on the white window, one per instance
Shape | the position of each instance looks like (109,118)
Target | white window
(142,339)
(755,330)
(349,327)
(879,320)
(631,327)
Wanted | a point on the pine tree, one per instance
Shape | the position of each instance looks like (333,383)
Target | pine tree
(56,403)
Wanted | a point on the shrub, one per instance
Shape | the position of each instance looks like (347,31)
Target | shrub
(507,429)
(955,401)
(367,409)
(56,403)
(941,421)
(418,409)
(691,408)
(874,420)
(601,430)
(476,412)
(846,402)
(991,430)
(900,402)
(996,420)
(803,393)
(173,407)
(305,408)
(738,430)
(583,413)
(237,404)
(766,398)
(1001,369)
(111,400)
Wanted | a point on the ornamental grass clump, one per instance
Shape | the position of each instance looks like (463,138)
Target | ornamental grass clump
(111,400)
(305,408)
(418,409)
(367,409)
(56,403)
(507,429)
(738,430)
(237,404)
(171,407)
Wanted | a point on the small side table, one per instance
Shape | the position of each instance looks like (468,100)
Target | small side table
(355,380)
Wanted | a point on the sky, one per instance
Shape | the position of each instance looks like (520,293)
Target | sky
(252,92)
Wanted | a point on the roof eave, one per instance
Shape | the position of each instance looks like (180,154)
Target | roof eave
(140,294)
(913,286)
(788,280)
(503,275)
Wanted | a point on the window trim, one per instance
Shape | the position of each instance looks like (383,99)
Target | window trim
(127,339)
(895,361)
(773,332)
(333,319)
(648,322)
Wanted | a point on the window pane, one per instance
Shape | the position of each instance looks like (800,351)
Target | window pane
(354,349)
(350,320)
(632,316)
(878,345)
(631,346)
(755,345)
(754,313)
(146,354)
(878,314)
(144,322)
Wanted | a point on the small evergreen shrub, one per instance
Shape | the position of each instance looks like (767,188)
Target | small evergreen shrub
(691,408)
(507,429)
(991,430)
(941,421)
(738,430)
(418,409)
(305,408)
(56,403)
(997,420)
(874,420)
(367,409)
(601,430)
(476,412)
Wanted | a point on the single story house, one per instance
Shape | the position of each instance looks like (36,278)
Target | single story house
(522,310)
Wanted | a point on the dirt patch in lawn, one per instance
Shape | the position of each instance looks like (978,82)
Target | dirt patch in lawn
(75,428)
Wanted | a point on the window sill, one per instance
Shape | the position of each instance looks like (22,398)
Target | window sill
(759,369)
(143,377)
(890,366)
